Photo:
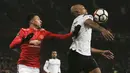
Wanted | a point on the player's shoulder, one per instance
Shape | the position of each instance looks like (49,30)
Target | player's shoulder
(58,59)
(23,29)
(84,16)
(47,60)
(42,29)
(87,15)
(79,16)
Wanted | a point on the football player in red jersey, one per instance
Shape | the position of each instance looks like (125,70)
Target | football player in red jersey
(29,41)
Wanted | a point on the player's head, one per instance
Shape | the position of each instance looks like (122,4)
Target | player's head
(34,19)
(78,9)
(54,54)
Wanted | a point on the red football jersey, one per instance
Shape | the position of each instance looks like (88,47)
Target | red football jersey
(30,53)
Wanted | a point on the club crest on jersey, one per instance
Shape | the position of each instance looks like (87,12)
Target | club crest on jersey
(41,36)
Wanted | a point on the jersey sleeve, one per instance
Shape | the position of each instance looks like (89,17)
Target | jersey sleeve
(88,17)
(46,66)
(18,39)
(59,70)
(50,35)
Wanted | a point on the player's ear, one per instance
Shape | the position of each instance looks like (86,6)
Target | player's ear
(31,21)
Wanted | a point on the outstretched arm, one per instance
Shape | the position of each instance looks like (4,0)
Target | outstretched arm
(106,53)
(58,36)
(64,36)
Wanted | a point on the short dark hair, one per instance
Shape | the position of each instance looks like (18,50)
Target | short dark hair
(30,16)
(53,51)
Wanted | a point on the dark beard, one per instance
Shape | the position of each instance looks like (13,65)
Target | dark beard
(38,27)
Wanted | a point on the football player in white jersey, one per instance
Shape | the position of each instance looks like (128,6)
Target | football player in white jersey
(52,65)
(79,57)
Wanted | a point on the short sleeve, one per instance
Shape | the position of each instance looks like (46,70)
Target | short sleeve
(88,17)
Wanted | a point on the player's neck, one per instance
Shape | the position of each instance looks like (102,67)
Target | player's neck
(33,26)
(53,57)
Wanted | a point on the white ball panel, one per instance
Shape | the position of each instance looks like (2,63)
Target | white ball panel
(99,12)
(105,12)
(103,18)
(96,18)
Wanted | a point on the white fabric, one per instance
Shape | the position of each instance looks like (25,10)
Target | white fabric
(26,69)
(52,66)
(82,44)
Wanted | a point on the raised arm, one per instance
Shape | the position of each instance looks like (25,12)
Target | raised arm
(57,36)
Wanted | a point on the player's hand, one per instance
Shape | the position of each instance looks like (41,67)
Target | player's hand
(35,42)
(29,36)
(108,54)
(76,30)
(16,50)
(107,35)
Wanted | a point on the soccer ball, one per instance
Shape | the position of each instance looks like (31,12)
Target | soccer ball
(100,15)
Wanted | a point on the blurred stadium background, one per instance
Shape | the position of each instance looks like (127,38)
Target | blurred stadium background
(57,18)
